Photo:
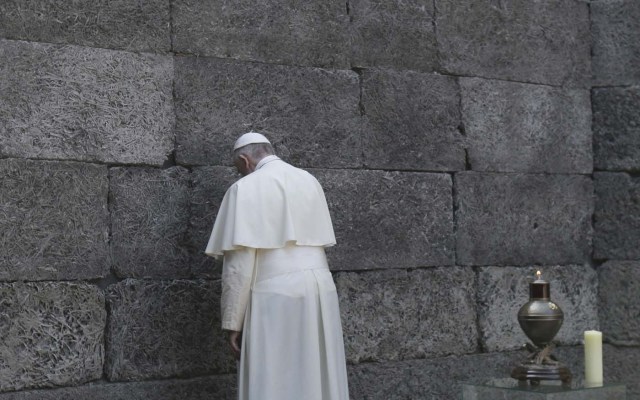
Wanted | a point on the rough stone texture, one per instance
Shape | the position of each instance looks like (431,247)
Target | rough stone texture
(299,32)
(389,219)
(412,121)
(365,207)
(52,334)
(393,34)
(209,186)
(515,127)
(310,115)
(521,219)
(619,305)
(398,315)
(71,102)
(537,41)
(121,24)
(53,220)
(615,31)
(621,365)
(425,379)
(149,222)
(160,329)
(503,290)
(214,387)
(617,216)
(616,128)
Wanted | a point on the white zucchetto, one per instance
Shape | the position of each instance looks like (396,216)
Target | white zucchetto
(250,138)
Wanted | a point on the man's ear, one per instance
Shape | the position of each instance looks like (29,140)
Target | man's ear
(245,161)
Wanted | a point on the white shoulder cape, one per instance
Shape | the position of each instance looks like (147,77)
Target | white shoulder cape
(275,204)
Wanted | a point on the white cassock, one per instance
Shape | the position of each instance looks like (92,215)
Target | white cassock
(272,227)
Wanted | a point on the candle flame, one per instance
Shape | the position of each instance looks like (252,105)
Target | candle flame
(538,275)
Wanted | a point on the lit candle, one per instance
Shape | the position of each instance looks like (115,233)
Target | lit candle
(539,289)
(593,358)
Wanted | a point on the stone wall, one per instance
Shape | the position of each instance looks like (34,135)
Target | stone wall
(462,145)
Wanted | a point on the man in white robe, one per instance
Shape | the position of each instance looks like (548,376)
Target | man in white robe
(279,301)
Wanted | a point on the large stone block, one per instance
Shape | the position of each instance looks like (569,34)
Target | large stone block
(521,219)
(503,290)
(209,186)
(516,127)
(439,379)
(617,216)
(302,32)
(52,334)
(121,24)
(621,365)
(413,121)
(70,102)
(222,387)
(389,219)
(389,314)
(536,41)
(616,128)
(379,223)
(619,306)
(150,222)
(393,34)
(54,222)
(615,31)
(311,116)
(160,329)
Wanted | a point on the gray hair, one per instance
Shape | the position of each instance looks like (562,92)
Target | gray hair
(254,151)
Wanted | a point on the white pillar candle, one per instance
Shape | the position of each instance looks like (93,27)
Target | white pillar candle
(593,358)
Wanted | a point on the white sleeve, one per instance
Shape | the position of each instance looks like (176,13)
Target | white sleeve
(237,271)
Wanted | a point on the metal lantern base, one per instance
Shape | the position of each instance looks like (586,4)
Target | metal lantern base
(535,373)
(541,366)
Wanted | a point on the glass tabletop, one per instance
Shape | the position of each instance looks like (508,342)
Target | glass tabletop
(543,387)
